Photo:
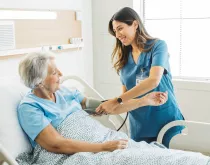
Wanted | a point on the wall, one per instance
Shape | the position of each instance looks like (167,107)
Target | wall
(71,62)
(193,97)
(106,80)
(40,4)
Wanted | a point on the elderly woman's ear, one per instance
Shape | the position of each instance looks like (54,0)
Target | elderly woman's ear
(40,85)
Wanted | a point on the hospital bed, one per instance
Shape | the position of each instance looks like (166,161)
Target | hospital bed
(13,140)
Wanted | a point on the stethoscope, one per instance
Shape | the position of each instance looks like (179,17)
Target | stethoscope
(123,121)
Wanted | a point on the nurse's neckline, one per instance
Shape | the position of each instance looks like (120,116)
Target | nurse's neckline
(136,55)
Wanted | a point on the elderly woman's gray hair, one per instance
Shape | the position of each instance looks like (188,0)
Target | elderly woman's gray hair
(33,68)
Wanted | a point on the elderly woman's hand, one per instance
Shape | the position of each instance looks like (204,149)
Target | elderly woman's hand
(156,98)
(107,107)
(115,144)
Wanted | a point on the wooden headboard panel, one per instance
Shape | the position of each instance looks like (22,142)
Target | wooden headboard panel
(35,33)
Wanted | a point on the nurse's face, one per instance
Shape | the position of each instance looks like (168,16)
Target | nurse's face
(52,81)
(124,32)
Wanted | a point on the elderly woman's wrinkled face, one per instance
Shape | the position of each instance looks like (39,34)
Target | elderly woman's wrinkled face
(52,81)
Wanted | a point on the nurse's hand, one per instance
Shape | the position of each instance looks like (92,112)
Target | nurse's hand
(156,98)
(107,107)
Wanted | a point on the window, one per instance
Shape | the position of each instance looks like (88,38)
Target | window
(185,26)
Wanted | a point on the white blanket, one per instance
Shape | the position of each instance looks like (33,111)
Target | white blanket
(81,126)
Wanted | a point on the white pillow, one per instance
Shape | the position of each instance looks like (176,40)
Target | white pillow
(12,136)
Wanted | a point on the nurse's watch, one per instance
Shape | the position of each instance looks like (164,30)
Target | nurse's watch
(119,100)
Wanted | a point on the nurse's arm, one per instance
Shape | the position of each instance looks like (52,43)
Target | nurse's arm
(129,106)
(151,99)
(146,85)
(124,89)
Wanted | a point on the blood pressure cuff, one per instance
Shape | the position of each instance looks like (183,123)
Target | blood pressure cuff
(91,105)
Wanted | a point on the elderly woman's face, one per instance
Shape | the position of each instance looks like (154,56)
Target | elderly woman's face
(52,81)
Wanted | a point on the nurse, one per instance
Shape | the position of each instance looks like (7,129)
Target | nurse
(143,65)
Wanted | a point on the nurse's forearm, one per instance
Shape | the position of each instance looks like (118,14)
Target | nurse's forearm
(145,86)
(130,105)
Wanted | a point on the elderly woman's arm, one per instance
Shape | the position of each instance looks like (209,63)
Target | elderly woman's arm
(83,103)
(52,141)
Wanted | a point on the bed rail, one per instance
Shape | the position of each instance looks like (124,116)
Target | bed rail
(5,157)
(195,136)
(111,121)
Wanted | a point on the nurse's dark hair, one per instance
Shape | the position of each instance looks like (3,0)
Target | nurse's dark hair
(120,53)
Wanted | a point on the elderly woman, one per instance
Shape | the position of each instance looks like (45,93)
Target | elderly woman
(53,119)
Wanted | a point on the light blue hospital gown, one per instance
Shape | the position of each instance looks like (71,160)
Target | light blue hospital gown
(35,113)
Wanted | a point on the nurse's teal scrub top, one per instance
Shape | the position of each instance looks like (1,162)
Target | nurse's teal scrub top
(147,121)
